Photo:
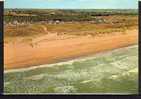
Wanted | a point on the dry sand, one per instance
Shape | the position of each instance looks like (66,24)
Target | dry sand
(21,55)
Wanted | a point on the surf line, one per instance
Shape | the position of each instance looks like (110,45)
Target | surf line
(81,59)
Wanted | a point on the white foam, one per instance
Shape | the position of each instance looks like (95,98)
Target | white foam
(35,77)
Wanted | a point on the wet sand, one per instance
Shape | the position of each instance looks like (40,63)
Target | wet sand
(22,55)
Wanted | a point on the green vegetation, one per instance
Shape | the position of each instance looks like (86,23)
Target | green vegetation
(36,15)
(112,72)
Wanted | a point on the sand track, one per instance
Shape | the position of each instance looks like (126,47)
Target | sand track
(21,55)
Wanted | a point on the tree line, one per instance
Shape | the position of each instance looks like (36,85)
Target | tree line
(60,15)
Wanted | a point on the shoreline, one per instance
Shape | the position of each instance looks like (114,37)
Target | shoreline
(83,58)
(47,52)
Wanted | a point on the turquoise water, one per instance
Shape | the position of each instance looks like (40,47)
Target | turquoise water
(111,72)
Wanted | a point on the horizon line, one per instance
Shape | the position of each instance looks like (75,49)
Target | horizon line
(78,8)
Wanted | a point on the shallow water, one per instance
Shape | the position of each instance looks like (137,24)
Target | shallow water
(112,72)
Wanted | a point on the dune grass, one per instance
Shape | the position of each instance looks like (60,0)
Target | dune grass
(114,23)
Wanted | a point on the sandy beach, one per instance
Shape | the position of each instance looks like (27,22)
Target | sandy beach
(45,51)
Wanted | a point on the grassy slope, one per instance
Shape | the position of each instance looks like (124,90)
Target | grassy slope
(117,23)
(114,72)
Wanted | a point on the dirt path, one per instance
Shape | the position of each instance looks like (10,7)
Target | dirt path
(23,55)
